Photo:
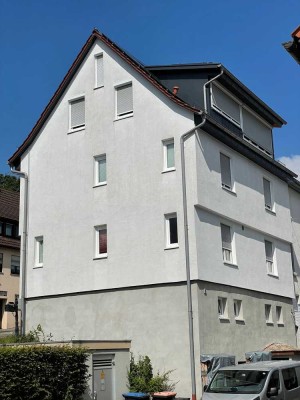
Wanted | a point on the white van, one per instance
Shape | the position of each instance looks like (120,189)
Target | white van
(264,380)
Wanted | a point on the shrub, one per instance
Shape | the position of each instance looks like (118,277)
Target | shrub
(141,379)
(41,372)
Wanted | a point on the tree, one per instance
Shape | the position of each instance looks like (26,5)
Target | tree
(9,182)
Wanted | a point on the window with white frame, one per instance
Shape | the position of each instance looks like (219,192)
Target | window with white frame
(101,241)
(39,251)
(171,230)
(268,314)
(225,171)
(269,250)
(169,157)
(15,265)
(237,309)
(279,317)
(100,170)
(124,100)
(267,194)
(224,103)
(99,71)
(226,243)
(222,307)
(77,113)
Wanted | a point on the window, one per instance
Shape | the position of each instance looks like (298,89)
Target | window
(225,172)
(237,309)
(223,103)
(171,231)
(9,229)
(267,194)
(100,170)
(101,241)
(1,228)
(269,250)
(169,159)
(226,243)
(222,307)
(1,262)
(268,314)
(15,265)
(99,70)
(39,251)
(274,382)
(77,113)
(124,100)
(279,317)
(290,378)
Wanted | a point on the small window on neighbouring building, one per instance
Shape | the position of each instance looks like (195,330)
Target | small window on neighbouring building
(77,113)
(39,251)
(101,241)
(100,170)
(171,230)
(9,229)
(268,314)
(169,158)
(124,100)
(1,262)
(279,317)
(237,309)
(225,171)
(267,194)
(15,265)
(269,250)
(222,307)
(99,73)
(226,243)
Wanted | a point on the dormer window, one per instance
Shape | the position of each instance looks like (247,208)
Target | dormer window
(224,103)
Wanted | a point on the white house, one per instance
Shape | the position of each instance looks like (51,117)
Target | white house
(105,249)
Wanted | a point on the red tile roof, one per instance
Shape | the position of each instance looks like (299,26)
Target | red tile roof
(9,204)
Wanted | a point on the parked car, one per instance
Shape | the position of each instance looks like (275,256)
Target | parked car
(265,380)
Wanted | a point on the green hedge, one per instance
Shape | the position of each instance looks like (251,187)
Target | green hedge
(42,372)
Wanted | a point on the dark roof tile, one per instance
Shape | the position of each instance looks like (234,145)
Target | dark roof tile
(9,204)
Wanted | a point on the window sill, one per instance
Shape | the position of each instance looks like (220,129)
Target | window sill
(273,275)
(224,318)
(280,324)
(100,184)
(82,128)
(38,266)
(100,256)
(239,320)
(229,264)
(14,274)
(98,87)
(171,247)
(168,170)
(269,323)
(270,211)
(123,117)
(229,191)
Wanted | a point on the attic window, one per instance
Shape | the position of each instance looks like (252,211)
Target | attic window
(77,114)
(224,104)
(124,100)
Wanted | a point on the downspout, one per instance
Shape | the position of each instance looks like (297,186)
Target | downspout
(184,137)
(206,84)
(24,247)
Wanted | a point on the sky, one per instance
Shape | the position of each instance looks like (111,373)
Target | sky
(40,39)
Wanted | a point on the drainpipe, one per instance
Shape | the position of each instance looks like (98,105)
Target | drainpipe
(184,137)
(24,247)
(206,84)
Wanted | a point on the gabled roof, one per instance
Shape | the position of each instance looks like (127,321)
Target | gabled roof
(15,158)
(9,204)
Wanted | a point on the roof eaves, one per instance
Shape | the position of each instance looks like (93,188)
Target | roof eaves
(14,159)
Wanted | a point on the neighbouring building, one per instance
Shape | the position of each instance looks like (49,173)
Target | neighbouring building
(106,250)
(9,256)
(293,46)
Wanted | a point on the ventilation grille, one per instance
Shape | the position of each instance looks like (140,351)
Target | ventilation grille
(106,363)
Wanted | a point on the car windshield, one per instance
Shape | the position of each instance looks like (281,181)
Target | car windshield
(238,381)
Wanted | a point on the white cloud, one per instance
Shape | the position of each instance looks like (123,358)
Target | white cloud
(292,163)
